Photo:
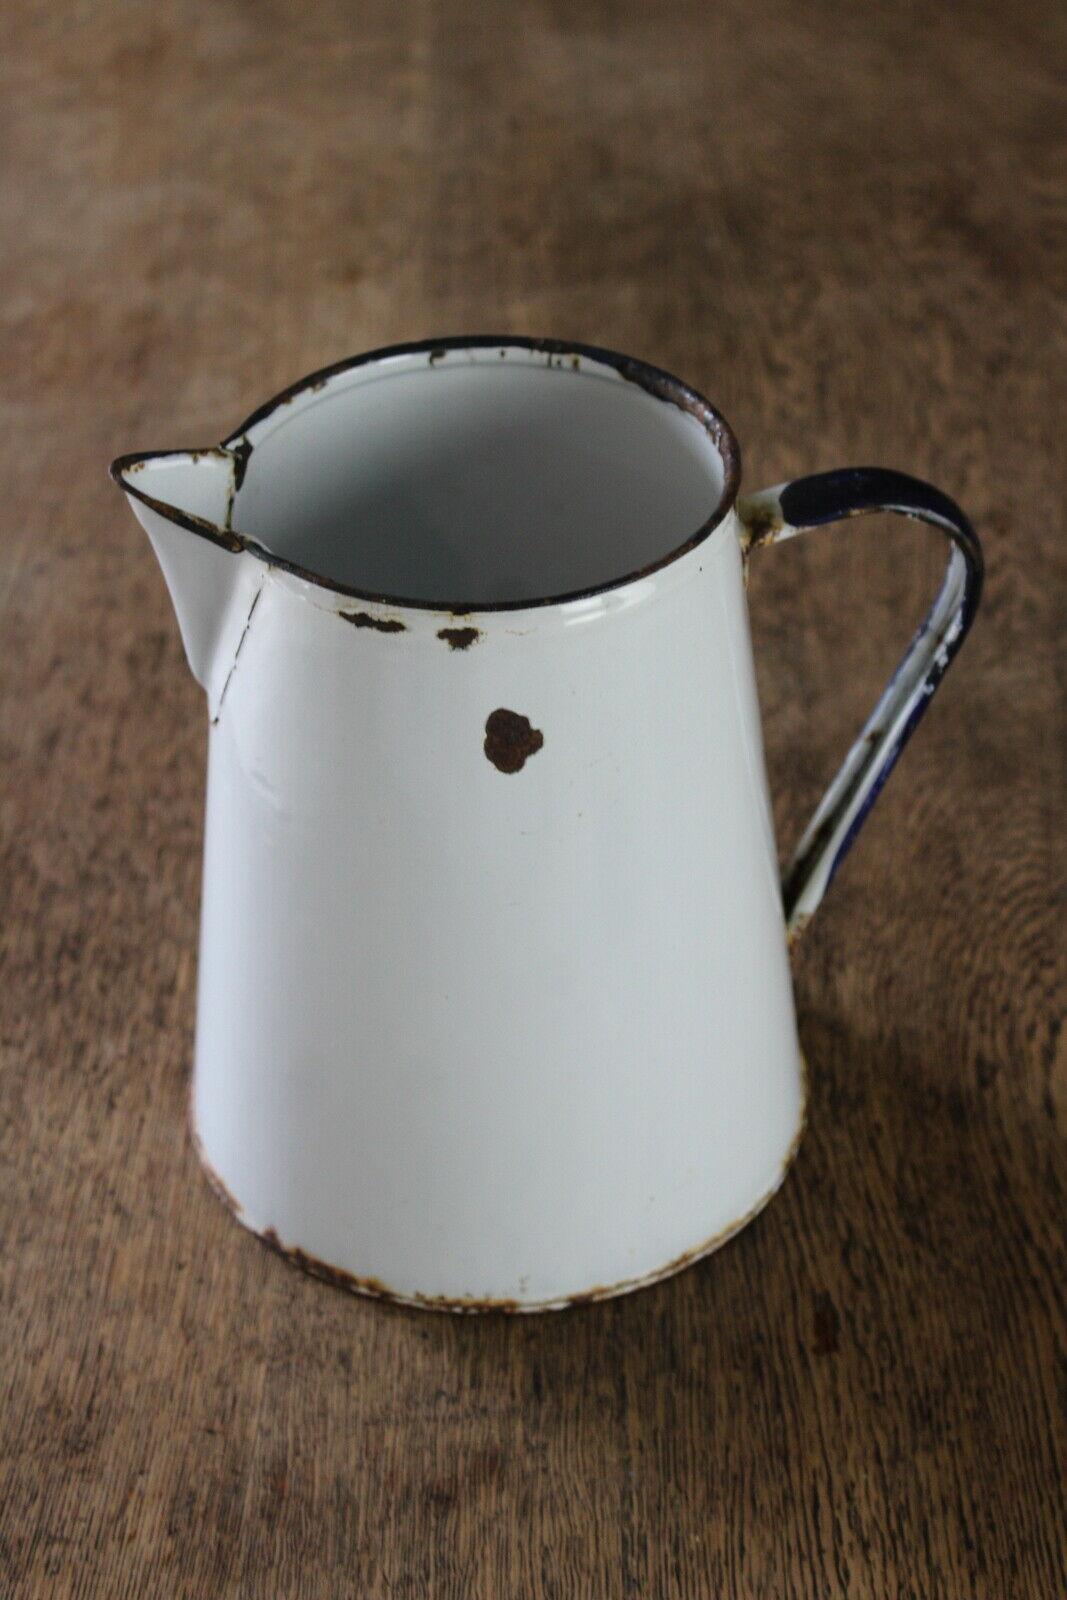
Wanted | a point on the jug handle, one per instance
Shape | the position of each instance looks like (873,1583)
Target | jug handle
(791,508)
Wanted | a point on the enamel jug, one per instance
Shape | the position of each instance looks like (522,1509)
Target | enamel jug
(494,1001)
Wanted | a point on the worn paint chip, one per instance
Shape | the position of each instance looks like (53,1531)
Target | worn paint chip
(363,619)
(459,638)
(510,740)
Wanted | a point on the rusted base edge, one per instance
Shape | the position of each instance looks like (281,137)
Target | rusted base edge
(375,1289)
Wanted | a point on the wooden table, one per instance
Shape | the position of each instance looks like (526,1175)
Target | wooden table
(845,224)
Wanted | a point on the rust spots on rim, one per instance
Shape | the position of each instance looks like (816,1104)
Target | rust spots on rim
(662,385)
(459,638)
(336,1277)
(339,1278)
(320,1269)
(363,619)
(510,740)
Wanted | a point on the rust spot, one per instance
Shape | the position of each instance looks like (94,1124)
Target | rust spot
(322,1269)
(435,356)
(510,739)
(588,1296)
(827,1325)
(761,524)
(363,619)
(240,453)
(123,467)
(459,638)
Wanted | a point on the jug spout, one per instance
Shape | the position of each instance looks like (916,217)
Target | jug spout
(184,501)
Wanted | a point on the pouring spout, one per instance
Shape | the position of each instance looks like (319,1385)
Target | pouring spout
(184,501)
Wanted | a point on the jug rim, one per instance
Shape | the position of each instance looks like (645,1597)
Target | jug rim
(236,448)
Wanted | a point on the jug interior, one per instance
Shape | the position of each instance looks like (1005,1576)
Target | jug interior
(497,477)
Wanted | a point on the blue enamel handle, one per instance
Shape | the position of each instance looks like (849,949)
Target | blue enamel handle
(792,508)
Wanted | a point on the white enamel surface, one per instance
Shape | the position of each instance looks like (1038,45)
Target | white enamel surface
(213,590)
(201,576)
(501,1035)
(475,1034)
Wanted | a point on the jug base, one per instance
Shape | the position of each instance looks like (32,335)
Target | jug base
(375,1289)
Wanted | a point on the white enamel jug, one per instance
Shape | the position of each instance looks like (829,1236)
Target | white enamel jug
(494,995)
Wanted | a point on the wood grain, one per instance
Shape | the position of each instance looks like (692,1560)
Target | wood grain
(848,225)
